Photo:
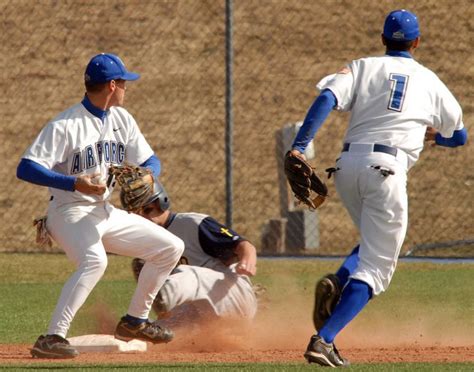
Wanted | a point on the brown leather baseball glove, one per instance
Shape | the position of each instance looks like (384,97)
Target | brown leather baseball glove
(136,188)
(305,184)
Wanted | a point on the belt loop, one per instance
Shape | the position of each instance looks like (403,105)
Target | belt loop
(332,170)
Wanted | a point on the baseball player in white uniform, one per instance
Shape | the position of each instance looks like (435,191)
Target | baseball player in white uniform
(214,281)
(71,155)
(395,104)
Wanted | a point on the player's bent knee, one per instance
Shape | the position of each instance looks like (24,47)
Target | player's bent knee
(93,269)
(177,250)
(172,251)
(98,266)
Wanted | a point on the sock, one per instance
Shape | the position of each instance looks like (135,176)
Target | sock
(348,266)
(354,297)
(133,320)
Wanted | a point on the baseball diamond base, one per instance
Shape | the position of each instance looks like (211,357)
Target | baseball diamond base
(106,344)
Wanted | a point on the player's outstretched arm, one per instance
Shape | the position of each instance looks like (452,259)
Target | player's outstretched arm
(31,171)
(247,255)
(317,114)
(225,244)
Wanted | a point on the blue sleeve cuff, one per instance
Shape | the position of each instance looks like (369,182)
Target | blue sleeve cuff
(317,114)
(30,171)
(458,138)
(154,164)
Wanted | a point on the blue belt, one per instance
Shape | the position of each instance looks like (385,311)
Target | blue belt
(377,148)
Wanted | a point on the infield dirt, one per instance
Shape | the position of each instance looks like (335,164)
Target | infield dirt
(277,336)
(282,48)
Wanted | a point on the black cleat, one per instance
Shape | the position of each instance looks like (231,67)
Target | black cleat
(53,347)
(324,354)
(146,331)
(326,296)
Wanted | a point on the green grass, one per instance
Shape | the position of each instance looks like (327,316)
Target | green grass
(30,285)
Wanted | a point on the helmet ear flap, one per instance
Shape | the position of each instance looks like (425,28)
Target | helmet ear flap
(164,202)
(160,196)
(163,198)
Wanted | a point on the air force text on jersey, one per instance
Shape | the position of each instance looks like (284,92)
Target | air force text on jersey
(108,151)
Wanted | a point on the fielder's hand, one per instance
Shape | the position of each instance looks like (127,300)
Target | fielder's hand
(85,184)
(297,153)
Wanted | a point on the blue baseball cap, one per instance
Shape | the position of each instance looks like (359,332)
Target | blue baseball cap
(401,25)
(105,67)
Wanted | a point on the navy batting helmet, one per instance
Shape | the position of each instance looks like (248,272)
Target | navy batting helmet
(159,194)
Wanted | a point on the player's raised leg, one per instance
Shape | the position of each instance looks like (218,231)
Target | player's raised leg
(134,236)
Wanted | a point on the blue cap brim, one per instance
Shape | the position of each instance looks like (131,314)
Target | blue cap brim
(130,76)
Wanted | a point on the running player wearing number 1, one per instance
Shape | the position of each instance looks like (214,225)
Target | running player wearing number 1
(395,103)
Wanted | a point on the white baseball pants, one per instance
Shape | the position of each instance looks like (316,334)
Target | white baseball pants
(229,294)
(378,205)
(86,233)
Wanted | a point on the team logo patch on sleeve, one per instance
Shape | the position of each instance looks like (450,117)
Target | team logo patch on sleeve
(226,232)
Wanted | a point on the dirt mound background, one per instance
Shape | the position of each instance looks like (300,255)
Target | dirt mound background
(281,50)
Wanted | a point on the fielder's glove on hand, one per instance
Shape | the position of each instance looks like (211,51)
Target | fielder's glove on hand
(136,189)
(304,183)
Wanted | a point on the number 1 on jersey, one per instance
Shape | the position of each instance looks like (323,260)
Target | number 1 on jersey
(397,94)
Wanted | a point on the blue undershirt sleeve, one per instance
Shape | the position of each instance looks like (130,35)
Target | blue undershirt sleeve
(30,171)
(154,164)
(459,138)
(315,117)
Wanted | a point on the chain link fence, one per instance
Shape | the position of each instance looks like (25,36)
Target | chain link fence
(281,49)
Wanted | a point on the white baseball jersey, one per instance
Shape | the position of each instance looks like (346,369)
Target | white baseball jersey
(392,100)
(87,226)
(77,142)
